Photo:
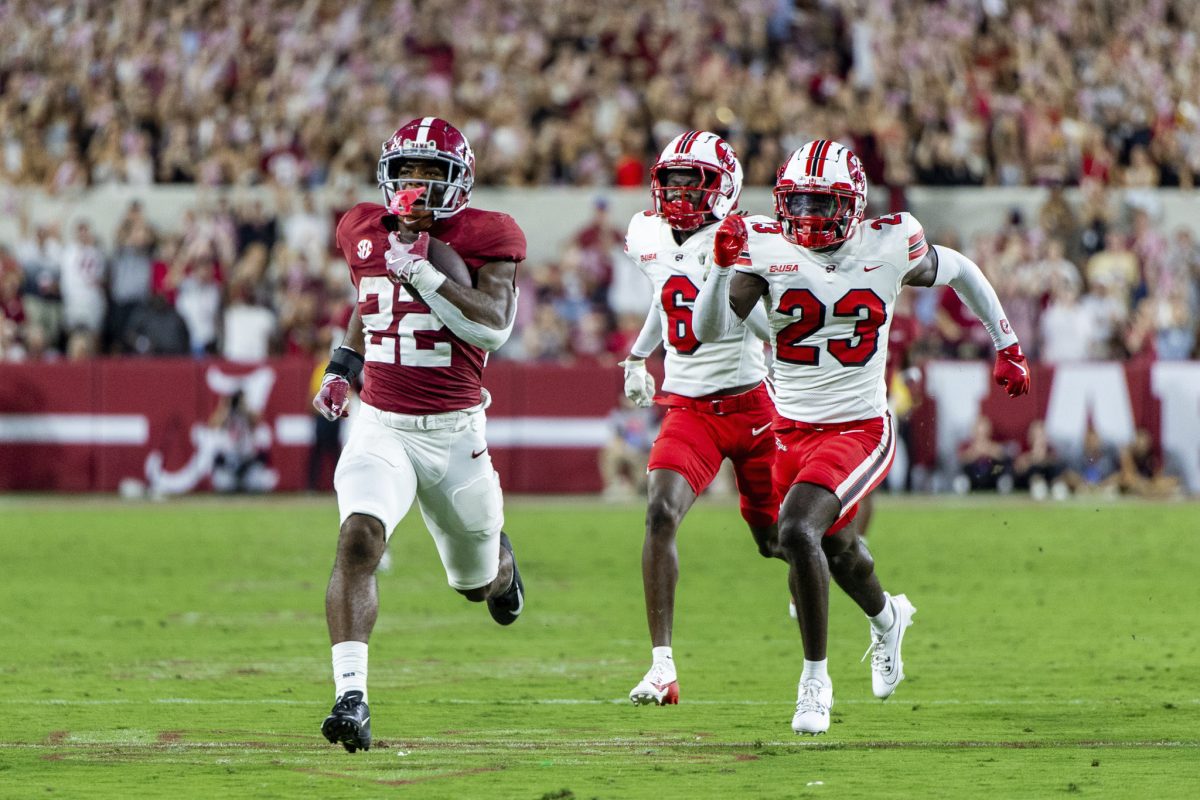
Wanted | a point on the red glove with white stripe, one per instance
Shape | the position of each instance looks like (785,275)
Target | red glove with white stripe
(730,241)
(1012,370)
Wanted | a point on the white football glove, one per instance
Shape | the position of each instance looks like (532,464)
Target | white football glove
(402,257)
(639,384)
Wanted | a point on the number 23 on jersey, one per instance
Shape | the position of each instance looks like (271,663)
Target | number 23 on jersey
(853,351)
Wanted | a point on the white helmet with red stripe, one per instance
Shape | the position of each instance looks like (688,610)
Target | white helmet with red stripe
(718,182)
(820,195)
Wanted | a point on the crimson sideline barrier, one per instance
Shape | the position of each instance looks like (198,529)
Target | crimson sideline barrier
(95,425)
(89,426)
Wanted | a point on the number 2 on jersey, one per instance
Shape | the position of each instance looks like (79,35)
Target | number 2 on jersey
(392,338)
(847,351)
(678,296)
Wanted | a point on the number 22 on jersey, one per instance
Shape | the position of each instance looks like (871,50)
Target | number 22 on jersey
(391,335)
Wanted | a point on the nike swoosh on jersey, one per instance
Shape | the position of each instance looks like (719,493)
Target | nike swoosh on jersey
(872,269)
(477,455)
(757,431)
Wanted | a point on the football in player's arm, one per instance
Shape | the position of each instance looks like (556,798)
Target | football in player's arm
(830,281)
(429,311)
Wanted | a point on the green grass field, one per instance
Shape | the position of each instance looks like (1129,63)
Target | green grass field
(179,650)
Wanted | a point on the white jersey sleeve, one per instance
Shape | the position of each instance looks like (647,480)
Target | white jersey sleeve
(676,272)
(635,237)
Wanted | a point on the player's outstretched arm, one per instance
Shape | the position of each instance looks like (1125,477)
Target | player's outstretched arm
(945,266)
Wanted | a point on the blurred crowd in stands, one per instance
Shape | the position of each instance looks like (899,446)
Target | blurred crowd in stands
(233,92)
(297,96)
(1088,280)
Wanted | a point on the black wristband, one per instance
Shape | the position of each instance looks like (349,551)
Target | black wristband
(345,363)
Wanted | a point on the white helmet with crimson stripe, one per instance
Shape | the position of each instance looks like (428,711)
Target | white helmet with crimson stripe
(715,177)
(820,195)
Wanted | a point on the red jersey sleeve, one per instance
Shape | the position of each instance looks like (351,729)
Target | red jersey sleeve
(353,227)
(503,240)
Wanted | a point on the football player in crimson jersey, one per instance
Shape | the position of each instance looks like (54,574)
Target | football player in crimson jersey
(830,281)
(420,341)
(717,404)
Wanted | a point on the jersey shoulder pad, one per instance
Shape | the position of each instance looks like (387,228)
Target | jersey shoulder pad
(363,221)
(914,237)
(898,238)
(762,223)
(764,239)
(489,236)
(641,235)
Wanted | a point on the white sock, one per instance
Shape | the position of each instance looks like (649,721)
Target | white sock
(349,668)
(816,671)
(882,622)
(661,654)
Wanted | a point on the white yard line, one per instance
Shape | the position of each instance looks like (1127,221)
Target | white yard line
(569,701)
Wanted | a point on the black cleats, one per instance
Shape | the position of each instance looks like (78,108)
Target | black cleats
(349,723)
(507,607)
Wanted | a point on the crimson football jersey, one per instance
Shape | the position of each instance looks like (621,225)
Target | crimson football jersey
(414,363)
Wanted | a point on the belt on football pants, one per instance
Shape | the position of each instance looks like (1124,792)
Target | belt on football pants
(721,404)
(429,422)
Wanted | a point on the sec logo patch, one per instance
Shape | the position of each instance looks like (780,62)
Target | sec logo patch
(364,248)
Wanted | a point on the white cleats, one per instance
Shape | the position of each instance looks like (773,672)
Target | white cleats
(812,708)
(887,667)
(659,686)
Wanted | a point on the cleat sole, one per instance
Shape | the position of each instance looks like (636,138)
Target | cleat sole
(346,733)
(669,698)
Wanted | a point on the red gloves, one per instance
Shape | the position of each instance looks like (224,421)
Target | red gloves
(730,241)
(331,401)
(1012,371)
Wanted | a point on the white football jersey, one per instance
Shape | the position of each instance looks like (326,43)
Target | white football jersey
(830,314)
(676,271)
